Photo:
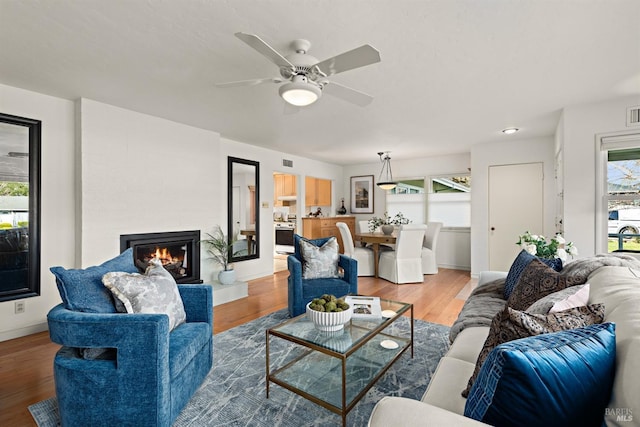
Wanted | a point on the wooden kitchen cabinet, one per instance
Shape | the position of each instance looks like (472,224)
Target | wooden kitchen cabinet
(283,185)
(317,192)
(316,228)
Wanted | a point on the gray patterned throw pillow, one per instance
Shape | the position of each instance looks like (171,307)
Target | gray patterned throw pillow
(319,262)
(155,291)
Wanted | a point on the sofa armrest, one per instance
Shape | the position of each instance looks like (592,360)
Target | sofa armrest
(400,411)
(198,302)
(489,276)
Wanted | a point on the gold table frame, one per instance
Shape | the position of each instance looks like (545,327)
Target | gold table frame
(365,335)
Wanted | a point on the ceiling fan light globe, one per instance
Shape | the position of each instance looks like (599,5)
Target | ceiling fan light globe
(300,93)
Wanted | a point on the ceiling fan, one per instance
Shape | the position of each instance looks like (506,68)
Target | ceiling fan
(305,76)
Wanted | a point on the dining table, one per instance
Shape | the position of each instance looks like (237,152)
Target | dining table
(375,240)
(250,234)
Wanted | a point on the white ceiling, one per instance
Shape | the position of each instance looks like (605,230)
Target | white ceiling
(453,73)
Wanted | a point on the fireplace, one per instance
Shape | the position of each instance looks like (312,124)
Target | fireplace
(179,252)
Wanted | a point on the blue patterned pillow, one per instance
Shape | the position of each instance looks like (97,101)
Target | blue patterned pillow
(519,264)
(82,290)
(555,379)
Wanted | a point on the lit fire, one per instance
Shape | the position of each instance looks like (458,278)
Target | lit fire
(164,256)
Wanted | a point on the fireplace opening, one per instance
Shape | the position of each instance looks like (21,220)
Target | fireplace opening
(178,251)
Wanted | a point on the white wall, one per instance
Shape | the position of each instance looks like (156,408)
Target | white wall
(576,137)
(57,191)
(270,162)
(453,249)
(143,174)
(505,152)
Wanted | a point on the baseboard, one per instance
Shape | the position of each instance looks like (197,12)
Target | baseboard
(23,332)
(455,267)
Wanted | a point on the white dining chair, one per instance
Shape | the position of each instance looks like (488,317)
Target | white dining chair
(364,256)
(404,264)
(429,243)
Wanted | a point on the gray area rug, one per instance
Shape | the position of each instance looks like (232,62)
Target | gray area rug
(233,394)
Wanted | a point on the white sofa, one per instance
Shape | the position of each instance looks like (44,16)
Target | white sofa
(442,404)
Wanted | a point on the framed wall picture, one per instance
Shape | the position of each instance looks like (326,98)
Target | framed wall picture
(362,194)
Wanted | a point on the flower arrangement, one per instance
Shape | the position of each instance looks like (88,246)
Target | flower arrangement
(398,219)
(536,245)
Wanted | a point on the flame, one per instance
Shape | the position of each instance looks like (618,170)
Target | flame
(163,254)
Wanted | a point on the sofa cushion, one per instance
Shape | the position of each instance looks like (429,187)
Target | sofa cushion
(518,266)
(570,371)
(319,261)
(536,281)
(155,291)
(82,289)
(510,324)
(468,344)
(573,296)
(619,289)
(450,377)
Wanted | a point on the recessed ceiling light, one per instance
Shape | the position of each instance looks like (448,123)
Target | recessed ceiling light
(509,131)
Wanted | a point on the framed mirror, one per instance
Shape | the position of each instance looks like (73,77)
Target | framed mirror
(243,219)
(19,207)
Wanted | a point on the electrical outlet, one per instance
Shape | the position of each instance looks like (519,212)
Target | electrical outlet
(20,307)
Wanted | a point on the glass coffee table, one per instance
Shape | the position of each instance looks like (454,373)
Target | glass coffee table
(336,369)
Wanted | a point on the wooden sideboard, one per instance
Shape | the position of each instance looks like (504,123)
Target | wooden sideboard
(315,228)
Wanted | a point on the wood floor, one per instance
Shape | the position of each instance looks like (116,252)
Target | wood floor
(26,372)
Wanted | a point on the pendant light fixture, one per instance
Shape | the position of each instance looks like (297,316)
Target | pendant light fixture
(386,183)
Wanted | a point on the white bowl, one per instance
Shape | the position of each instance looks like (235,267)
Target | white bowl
(333,321)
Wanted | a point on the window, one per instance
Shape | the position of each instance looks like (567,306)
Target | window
(620,193)
(449,200)
(407,197)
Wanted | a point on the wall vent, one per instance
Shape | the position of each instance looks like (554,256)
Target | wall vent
(633,116)
(287,163)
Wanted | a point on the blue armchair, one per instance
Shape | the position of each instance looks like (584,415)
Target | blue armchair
(302,291)
(154,373)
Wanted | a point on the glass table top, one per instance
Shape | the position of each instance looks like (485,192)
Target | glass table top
(302,330)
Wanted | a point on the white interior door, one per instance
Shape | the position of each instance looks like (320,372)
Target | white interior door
(515,206)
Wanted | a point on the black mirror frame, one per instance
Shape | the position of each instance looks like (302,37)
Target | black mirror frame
(32,287)
(230,162)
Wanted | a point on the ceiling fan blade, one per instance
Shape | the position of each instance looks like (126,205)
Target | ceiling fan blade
(347,94)
(358,57)
(253,82)
(261,46)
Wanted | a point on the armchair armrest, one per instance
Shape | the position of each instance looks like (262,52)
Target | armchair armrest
(350,267)
(198,302)
(137,337)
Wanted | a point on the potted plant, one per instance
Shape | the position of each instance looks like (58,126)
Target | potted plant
(386,222)
(219,247)
(557,247)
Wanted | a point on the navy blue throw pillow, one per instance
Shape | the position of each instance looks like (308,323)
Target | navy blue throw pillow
(561,379)
(521,262)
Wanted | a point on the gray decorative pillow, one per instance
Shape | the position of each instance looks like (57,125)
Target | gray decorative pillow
(537,281)
(155,291)
(544,304)
(510,324)
(319,262)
